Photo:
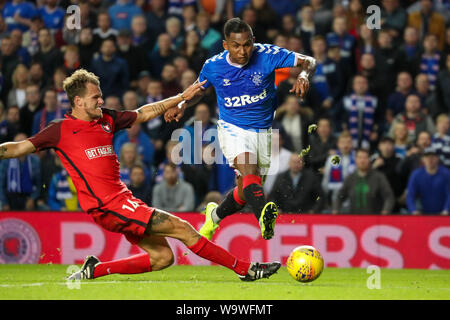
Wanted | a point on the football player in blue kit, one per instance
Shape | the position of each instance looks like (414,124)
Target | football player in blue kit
(244,79)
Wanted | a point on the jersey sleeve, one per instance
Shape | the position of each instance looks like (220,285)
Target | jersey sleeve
(124,119)
(204,76)
(48,137)
(277,57)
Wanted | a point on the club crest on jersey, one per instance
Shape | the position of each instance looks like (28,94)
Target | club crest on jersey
(256,78)
(106,127)
(226,82)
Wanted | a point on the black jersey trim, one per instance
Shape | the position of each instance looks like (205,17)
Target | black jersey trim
(122,217)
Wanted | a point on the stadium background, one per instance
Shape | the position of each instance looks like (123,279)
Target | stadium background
(145,51)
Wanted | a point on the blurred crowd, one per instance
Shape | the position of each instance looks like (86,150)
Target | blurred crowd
(380,98)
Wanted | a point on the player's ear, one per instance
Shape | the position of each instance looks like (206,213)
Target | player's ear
(224,44)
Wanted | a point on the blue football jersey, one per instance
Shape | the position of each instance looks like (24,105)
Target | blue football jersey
(246,95)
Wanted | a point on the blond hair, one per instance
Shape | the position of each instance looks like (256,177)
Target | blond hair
(75,85)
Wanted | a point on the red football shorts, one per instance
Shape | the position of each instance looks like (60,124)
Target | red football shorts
(124,214)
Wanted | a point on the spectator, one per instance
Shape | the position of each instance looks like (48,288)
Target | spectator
(139,34)
(9,62)
(10,126)
(173,194)
(175,7)
(62,195)
(181,64)
(441,139)
(415,120)
(53,15)
(387,162)
(323,16)
(196,128)
(411,49)
(122,12)
(87,47)
(388,59)
(355,15)
(375,78)
(156,19)
(327,78)
(19,49)
(335,174)
(427,98)
(71,58)
(140,185)
(31,36)
(172,156)
(189,14)
(48,54)
(279,160)
(193,52)
(169,80)
(209,36)
(428,21)
(430,59)
(368,190)
(431,185)
(141,87)
(129,157)
(18,14)
(322,143)
(259,32)
(37,76)
(17,96)
(396,100)
(413,159)
(20,181)
(104,29)
(50,112)
(113,103)
(360,107)
(307,28)
(442,85)
(401,139)
(146,150)
(345,40)
(393,17)
(174,30)
(298,189)
(135,58)
(212,196)
(33,105)
(61,95)
(111,70)
(296,124)
(160,57)
(366,43)
(130,100)
(265,16)
(288,25)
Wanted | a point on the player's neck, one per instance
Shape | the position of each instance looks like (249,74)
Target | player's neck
(80,115)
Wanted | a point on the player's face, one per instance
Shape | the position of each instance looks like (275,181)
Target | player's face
(240,46)
(92,101)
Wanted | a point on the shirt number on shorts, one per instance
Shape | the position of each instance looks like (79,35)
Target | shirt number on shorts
(133,207)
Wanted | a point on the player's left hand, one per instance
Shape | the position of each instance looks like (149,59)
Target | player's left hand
(193,90)
(300,87)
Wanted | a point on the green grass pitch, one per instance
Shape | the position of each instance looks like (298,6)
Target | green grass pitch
(218,283)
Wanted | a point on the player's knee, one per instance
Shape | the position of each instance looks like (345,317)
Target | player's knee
(167,258)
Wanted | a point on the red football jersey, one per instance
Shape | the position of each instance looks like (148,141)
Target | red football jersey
(86,152)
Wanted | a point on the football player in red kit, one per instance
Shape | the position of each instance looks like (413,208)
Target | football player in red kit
(83,142)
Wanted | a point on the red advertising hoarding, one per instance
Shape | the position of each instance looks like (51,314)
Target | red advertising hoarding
(344,240)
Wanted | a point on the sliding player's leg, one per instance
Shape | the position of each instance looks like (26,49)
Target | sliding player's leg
(164,224)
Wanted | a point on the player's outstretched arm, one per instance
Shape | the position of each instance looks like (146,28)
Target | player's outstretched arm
(177,113)
(308,65)
(16,149)
(153,110)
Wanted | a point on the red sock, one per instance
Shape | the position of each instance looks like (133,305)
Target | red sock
(212,252)
(139,263)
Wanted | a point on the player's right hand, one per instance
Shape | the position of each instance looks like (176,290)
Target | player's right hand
(174,114)
(193,90)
